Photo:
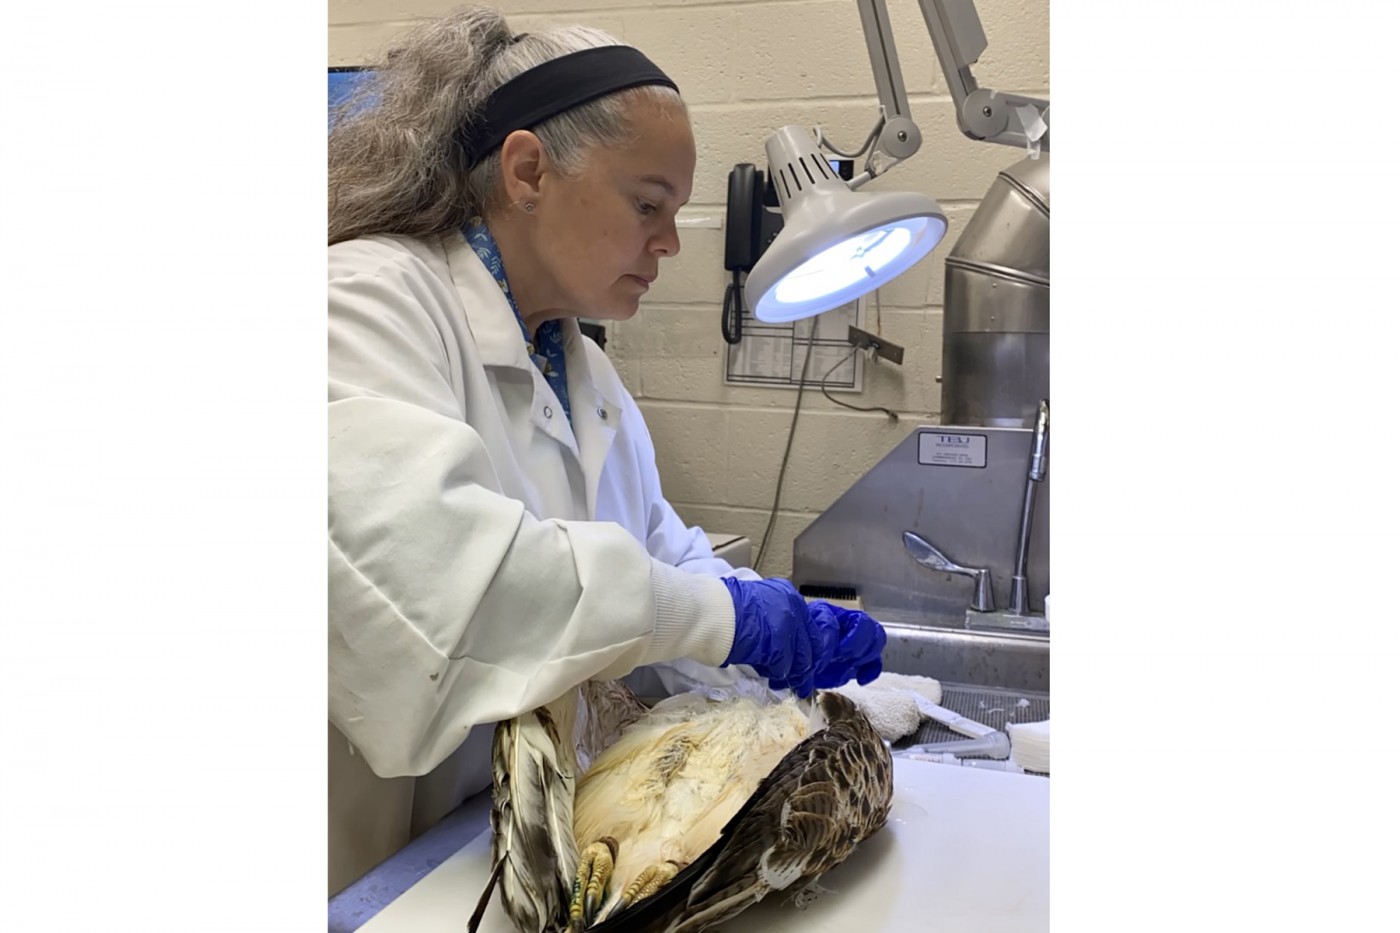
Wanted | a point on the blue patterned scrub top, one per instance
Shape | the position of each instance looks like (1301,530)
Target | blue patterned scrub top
(547,349)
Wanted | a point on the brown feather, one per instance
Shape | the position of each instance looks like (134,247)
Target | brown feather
(606,708)
(804,823)
(532,821)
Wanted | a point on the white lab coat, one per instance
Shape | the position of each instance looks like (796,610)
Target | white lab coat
(484,556)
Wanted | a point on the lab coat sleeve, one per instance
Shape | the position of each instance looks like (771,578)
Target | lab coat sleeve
(450,605)
(668,537)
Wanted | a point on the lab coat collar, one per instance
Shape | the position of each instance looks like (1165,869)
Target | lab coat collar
(490,319)
(596,393)
(591,376)
(497,332)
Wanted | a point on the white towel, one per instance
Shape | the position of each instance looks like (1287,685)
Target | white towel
(892,702)
(1030,745)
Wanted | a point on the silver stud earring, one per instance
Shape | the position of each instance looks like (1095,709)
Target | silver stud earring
(529,207)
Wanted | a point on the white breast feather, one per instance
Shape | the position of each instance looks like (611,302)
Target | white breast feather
(668,786)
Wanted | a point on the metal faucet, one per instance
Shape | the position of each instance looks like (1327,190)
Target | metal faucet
(931,557)
(1035,475)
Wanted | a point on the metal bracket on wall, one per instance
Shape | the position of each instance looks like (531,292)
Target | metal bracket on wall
(862,339)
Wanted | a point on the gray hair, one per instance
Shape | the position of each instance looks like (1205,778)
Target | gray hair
(396,165)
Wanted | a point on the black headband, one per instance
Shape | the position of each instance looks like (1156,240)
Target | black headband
(548,90)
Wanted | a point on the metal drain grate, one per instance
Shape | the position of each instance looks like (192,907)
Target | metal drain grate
(988,706)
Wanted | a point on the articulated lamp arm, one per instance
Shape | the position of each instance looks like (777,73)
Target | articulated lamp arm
(896,136)
(983,114)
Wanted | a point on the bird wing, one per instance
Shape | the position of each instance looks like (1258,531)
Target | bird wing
(532,839)
(535,760)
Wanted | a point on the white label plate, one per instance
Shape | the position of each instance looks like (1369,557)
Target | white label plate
(937,448)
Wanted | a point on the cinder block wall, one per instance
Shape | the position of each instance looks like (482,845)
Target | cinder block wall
(745,68)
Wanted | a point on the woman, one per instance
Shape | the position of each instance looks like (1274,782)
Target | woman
(497,529)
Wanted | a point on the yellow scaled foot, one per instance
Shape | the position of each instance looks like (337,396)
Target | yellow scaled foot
(595,867)
(649,882)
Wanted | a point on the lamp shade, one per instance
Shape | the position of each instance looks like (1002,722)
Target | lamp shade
(836,244)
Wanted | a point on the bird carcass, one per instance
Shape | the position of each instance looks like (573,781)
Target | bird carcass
(607,816)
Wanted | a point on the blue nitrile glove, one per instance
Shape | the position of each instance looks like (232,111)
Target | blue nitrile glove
(798,646)
(772,633)
(858,643)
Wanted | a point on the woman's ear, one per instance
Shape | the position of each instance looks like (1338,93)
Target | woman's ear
(523,163)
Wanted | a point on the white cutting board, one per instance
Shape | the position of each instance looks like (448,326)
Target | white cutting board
(964,850)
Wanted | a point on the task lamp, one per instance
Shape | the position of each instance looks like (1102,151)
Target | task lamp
(837,244)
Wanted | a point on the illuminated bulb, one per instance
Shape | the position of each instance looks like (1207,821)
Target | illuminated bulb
(846,263)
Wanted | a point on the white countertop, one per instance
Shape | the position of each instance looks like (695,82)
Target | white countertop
(964,851)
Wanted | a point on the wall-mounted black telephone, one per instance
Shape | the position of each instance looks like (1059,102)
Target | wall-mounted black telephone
(752,221)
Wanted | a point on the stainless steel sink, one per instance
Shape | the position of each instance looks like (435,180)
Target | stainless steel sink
(1009,661)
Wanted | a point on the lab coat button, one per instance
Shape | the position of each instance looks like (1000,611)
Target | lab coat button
(603,413)
(548,412)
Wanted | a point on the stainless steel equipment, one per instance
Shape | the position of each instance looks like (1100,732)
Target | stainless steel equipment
(952,523)
(929,541)
(932,558)
(996,314)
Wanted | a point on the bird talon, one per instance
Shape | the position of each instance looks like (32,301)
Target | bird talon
(650,881)
(808,895)
(595,868)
